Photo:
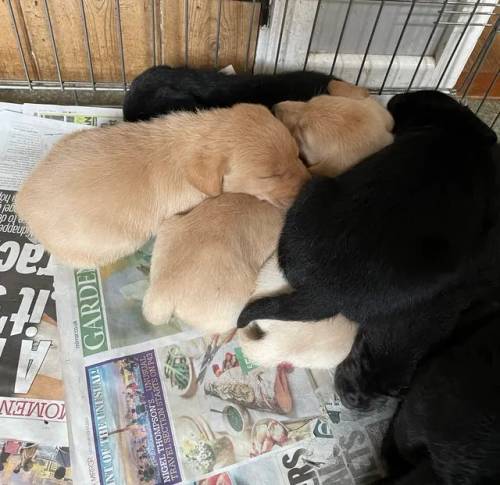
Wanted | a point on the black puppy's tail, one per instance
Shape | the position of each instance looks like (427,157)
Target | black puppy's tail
(299,305)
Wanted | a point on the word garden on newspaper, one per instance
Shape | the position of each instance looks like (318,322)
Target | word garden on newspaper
(145,404)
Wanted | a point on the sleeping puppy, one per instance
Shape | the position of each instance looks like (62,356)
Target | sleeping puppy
(205,263)
(162,89)
(334,133)
(101,194)
(320,346)
(447,428)
(337,131)
(392,234)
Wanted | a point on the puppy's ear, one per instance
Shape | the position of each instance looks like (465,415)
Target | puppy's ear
(206,173)
(346,90)
(289,112)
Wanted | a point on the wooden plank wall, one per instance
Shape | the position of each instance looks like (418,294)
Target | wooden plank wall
(144,36)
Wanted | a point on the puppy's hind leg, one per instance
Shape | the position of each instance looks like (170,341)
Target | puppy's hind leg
(156,307)
(300,306)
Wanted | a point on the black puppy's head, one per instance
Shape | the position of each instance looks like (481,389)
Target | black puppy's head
(424,109)
(368,377)
(355,391)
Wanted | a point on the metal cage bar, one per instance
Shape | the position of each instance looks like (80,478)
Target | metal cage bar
(249,41)
(313,29)
(398,43)
(120,43)
(341,36)
(459,41)
(186,33)
(19,45)
(217,38)
(53,43)
(370,40)
(87,43)
(427,44)
(488,90)
(283,20)
(261,13)
(153,30)
(467,83)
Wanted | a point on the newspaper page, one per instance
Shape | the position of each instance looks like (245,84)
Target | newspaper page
(82,115)
(165,405)
(16,108)
(33,431)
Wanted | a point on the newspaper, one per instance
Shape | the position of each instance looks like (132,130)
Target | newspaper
(165,404)
(33,429)
(82,115)
(169,408)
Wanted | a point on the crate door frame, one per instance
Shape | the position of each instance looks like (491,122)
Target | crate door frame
(284,44)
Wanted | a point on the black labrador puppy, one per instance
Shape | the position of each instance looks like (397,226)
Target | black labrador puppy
(391,242)
(447,428)
(162,89)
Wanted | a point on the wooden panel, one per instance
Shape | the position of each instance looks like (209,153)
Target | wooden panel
(202,38)
(137,32)
(24,39)
(69,34)
(234,32)
(101,24)
(236,24)
(10,63)
(38,46)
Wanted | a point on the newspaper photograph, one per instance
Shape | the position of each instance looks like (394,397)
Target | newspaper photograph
(110,305)
(344,451)
(24,462)
(131,425)
(226,410)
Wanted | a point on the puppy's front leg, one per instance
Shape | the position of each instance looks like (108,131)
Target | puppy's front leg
(301,305)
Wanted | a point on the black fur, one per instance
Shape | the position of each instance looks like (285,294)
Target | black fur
(447,429)
(162,89)
(390,242)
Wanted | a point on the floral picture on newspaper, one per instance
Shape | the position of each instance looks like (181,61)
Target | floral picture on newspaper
(34,463)
(225,410)
(189,409)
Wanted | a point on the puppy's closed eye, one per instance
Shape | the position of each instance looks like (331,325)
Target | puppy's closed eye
(272,176)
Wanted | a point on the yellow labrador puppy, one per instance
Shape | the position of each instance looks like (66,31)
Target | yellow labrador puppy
(101,194)
(317,345)
(205,263)
(336,131)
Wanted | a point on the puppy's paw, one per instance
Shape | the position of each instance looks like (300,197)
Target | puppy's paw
(155,308)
